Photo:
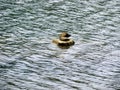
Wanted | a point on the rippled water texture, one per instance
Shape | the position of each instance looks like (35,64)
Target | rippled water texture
(30,61)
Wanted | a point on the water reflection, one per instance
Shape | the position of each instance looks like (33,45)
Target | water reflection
(63,47)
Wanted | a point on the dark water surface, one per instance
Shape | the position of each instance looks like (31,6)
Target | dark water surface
(29,60)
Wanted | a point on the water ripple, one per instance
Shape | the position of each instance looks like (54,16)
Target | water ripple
(29,60)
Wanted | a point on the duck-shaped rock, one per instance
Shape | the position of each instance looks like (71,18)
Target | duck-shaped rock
(64,40)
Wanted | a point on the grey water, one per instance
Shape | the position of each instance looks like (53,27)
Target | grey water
(30,61)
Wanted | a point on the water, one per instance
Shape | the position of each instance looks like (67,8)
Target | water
(30,61)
